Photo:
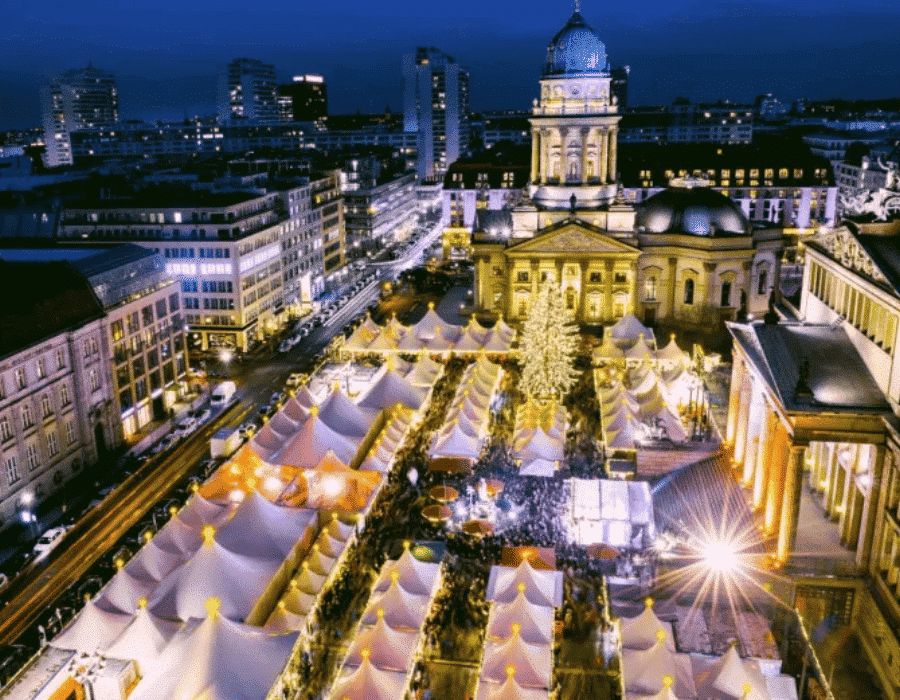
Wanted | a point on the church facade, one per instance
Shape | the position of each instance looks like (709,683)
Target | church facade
(690,258)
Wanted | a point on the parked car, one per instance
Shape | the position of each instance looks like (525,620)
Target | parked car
(207,467)
(247,430)
(167,442)
(294,379)
(284,346)
(202,414)
(277,397)
(48,541)
(186,426)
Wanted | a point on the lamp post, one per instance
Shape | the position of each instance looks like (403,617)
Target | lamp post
(26,514)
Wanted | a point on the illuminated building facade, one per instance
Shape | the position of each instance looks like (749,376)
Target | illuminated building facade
(247,90)
(80,99)
(57,401)
(686,255)
(436,107)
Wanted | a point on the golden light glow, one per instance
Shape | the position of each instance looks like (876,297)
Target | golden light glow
(212,606)
(142,602)
(209,534)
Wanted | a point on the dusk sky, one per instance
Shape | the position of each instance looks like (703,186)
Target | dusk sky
(166,54)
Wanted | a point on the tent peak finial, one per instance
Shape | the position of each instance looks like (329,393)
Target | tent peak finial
(142,602)
(380,613)
(648,601)
(431,306)
(212,606)
(314,411)
(668,681)
(660,635)
(282,605)
(521,587)
(395,576)
(209,534)
(746,689)
(365,653)
(510,671)
(515,628)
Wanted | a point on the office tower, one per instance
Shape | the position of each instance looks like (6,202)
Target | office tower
(436,105)
(619,86)
(305,99)
(81,99)
(247,91)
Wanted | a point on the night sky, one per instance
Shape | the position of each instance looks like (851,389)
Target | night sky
(166,54)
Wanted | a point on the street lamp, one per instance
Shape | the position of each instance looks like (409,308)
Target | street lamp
(26,514)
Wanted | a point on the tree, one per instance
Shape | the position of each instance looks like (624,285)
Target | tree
(548,346)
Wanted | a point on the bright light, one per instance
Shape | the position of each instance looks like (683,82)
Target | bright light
(720,556)
(27,499)
(226,356)
(332,486)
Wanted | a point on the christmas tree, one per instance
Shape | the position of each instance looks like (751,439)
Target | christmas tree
(548,345)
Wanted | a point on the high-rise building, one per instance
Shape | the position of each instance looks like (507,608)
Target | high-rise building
(247,91)
(619,85)
(305,99)
(81,99)
(436,105)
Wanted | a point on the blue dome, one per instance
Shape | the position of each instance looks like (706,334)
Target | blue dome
(576,50)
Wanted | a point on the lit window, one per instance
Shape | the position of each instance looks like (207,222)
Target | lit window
(650,289)
(20,378)
(46,407)
(31,452)
(52,443)
(27,416)
(12,470)
(70,432)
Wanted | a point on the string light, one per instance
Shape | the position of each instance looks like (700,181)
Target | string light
(548,345)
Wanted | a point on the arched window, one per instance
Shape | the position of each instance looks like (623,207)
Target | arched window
(725,300)
(650,289)
(689,291)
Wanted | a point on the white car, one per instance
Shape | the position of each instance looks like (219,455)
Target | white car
(167,442)
(185,426)
(48,541)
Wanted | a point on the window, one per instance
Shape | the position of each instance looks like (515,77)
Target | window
(762,280)
(86,346)
(596,277)
(52,443)
(27,416)
(12,470)
(20,378)
(522,276)
(650,289)
(70,432)
(689,291)
(39,365)
(60,358)
(95,380)
(46,407)
(118,330)
(725,300)
(621,278)
(5,429)
(31,453)
(2,388)
(147,315)
(64,398)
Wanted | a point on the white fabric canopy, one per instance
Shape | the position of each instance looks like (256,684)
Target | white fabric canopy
(366,682)
(535,621)
(92,629)
(643,670)
(345,417)
(123,592)
(390,649)
(143,640)
(508,690)
(402,610)
(532,662)
(726,677)
(456,445)
(313,441)
(263,530)
(542,586)
(629,328)
(413,576)
(425,329)
(391,389)
(641,632)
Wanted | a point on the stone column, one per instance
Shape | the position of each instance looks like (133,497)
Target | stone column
(510,297)
(778,458)
(535,277)
(545,156)
(737,377)
(764,459)
(535,154)
(790,505)
(582,291)
(673,286)
(607,293)
(613,141)
(584,155)
(602,155)
(743,420)
(866,538)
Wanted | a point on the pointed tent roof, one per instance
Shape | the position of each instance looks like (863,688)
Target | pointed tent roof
(439,341)
(414,576)
(629,328)
(727,678)
(476,329)
(143,640)
(123,592)
(332,546)
(409,343)
(237,581)
(623,419)
(366,682)
(396,328)
(672,425)
(283,424)
(208,659)
(362,335)
(425,329)
(535,621)
(505,331)
(644,670)
(283,621)
(538,467)
(390,649)
(542,445)
(456,444)
(424,372)
(641,632)
(402,610)
(391,389)
(313,441)
(532,661)
(200,511)
(468,342)
(299,602)
(331,485)
(496,342)
(508,690)
(305,398)
(153,563)
(263,530)
(625,438)
(177,536)
(542,587)
(342,415)
(340,530)
(308,581)
(640,350)
(92,629)
(320,563)
(607,350)
(673,353)
(383,341)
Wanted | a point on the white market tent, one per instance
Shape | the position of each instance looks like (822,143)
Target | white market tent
(282,621)
(639,351)
(627,331)
(508,690)
(642,632)
(413,576)
(607,511)
(263,530)
(532,662)
(390,389)
(123,592)
(432,324)
(672,355)
(143,640)
(643,670)
(535,621)
(313,442)
(390,649)
(200,511)
(92,629)
(457,444)
(207,660)
(402,610)
(542,587)
(366,682)
(343,416)
(153,562)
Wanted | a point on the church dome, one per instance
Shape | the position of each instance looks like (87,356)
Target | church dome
(697,211)
(575,50)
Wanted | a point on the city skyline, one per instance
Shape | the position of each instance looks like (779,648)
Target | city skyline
(167,60)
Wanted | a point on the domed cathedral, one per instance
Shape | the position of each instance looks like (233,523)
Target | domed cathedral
(686,255)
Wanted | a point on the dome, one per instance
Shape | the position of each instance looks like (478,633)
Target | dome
(698,211)
(575,50)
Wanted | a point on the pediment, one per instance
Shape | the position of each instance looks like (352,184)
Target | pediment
(843,246)
(573,238)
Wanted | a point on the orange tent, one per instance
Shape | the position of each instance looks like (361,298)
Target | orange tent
(331,485)
(243,472)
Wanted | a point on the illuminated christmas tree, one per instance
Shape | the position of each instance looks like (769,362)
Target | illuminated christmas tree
(548,346)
